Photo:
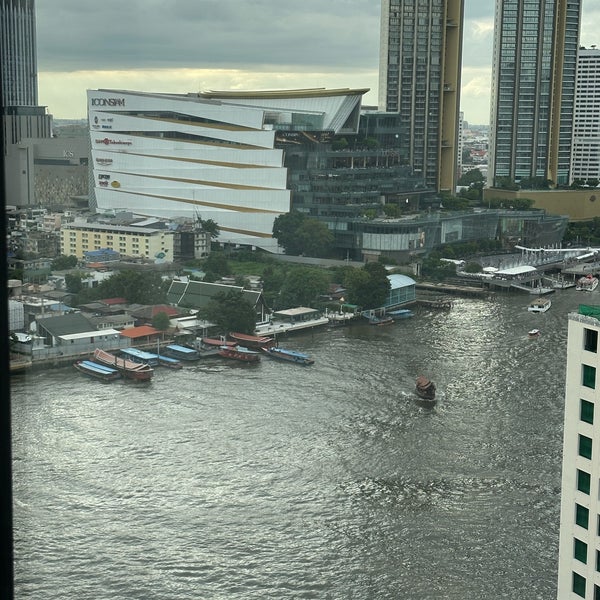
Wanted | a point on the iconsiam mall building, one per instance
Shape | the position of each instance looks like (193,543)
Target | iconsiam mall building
(210,155)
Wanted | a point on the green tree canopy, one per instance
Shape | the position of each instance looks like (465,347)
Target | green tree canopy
(137,287)
(472,176)
(368,287)
(302,287)
(73,282)
(216,266)
(230,311)
(63,262)
(285,227)
(314,238)
(161,321)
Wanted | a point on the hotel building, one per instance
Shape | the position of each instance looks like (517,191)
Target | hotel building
(419,78)
(579,546)
(208,155)
(533,88)
(585,154)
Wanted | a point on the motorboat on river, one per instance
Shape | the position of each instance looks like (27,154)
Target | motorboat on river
(425,389)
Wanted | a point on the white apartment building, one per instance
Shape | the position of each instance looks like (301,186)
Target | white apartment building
(210,155)
(579,546)
(585,152)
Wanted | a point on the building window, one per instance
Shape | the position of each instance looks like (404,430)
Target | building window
(579,584)
(590,340)
(582,516)
(589,376)
(586,412)
(598,561)
(585,446)
(583,481)
(596,592)
(580,551)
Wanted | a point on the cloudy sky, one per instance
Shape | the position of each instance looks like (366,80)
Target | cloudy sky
(195,45)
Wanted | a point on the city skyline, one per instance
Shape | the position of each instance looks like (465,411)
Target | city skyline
(229,45)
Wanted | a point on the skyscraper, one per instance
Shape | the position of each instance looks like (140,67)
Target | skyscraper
(585,153)
(419,78)
(533,87)
(579,545)
(18,53)
(22,118)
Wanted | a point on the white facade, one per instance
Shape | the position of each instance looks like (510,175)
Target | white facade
(585,152)
(208,155)
(579,547)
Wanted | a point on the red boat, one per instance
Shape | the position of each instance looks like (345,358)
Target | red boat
(127,368)
(240,353)
(252,341)
(425,389)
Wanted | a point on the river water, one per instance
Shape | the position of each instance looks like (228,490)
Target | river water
(230,481)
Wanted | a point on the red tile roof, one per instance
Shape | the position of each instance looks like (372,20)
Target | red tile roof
(138,332)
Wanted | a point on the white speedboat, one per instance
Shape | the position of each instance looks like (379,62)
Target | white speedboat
(587,284)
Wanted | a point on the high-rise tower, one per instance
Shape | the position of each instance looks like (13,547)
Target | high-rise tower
(419,78)
(22,118)
(579,546)
(18,53)
(533,87)
(585,153)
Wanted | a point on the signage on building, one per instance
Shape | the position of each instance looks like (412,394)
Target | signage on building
(108,142)
(104,161)
(115,184)
(108,101)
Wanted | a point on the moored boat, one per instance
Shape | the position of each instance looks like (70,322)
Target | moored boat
(533,333)
(379,321)
(96,370)
(140,356)
(400,313)
(539,305)
(252,341)
(127,368)
(587,284)
(240,353)
(181,352)
(425,388)
(292,356)
(170,363)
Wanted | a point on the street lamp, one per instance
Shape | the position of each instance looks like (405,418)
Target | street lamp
(341,304)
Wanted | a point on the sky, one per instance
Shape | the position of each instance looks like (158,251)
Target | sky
(182,46)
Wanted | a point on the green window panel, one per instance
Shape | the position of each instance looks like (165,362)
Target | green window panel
(583,481)
(586,411)
(585,446)
(590,340)
(582,516)
(580,551)
(579,585)
(589,376)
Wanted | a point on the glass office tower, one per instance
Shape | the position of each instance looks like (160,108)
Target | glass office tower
(533,88)
(419,78)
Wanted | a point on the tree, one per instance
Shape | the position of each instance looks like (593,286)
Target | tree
(369,286)
(302,286)
(136,287)
(314,238)
(216,266)
(230,311)
(73,282)
(63,262)
(211,227)
(161,321)
(471,177)
(285,227)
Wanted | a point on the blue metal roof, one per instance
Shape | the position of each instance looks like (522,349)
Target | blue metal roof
(399,281)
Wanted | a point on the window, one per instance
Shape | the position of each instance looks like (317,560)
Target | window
(583,481)
(579,584)
(585,446)
(580,551)
(582,516)
(589,376)
(590,340)
(586,412)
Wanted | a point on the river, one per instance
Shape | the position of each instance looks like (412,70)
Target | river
(231,481)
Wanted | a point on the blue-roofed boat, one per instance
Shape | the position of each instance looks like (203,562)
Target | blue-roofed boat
(181,352)
(170,363)
(97,371)
(400,313)
(292,356)
(140,356)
